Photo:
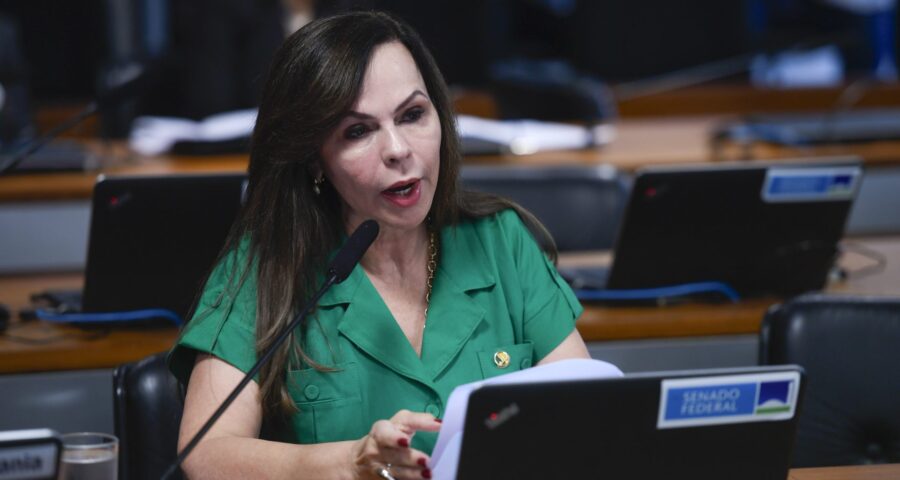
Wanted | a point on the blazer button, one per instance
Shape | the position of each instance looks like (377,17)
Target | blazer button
(311,392)
(433,410)
(501,359)
(525,363)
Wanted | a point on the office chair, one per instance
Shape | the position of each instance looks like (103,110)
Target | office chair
(581,206)
(148,402)
(850,348)
(549,90)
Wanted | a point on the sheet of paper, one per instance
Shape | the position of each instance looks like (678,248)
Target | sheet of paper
(445,456)
(522,137)
(156,135)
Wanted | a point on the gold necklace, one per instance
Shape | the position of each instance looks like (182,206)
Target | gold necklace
(430,267)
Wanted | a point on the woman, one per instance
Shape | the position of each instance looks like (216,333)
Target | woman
(355,123)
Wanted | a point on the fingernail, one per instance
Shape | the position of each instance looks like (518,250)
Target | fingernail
(426,473)
(438,420)
(403,442)
(421,462)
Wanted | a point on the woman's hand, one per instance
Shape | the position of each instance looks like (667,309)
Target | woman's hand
(385,453)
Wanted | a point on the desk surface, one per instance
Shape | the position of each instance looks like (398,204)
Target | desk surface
(40,346)
(861,472)
(639,142)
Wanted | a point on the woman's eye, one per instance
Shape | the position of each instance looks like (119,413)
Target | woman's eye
(355,131)
(412,115)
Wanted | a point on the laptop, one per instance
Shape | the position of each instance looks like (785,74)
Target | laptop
(704,424)
(758,227)
(153,239)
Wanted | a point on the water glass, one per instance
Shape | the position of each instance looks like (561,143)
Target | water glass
(89,456)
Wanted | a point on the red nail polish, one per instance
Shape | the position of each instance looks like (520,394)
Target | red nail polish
(421,462)
(403,442)
(438,420)
(426,473)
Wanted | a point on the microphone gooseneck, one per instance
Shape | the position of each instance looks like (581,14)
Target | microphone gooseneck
(133,86)
(338,271)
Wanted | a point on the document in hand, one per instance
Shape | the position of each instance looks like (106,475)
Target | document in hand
(445,457)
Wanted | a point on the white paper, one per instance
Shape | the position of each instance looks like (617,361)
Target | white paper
(445,456)
(529,136)
(156,135)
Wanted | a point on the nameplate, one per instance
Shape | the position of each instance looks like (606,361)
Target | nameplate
(810,184)
(29,454)
(689,402)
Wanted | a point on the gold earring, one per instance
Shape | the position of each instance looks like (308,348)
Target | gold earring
(317,185)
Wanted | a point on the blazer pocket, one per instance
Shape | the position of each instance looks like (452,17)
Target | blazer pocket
(330,404)
(505,359)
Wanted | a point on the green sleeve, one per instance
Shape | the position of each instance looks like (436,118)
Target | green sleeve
(224,321)
(551,308)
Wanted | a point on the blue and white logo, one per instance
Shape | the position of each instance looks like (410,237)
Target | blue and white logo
(728,399)
(785,184)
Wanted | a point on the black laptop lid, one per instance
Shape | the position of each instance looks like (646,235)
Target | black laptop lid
(153,239)
(706,424)
(762,228)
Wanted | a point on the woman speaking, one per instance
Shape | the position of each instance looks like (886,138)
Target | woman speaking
(355,123)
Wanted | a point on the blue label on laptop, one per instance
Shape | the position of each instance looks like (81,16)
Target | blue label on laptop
(687,402)
(810,184)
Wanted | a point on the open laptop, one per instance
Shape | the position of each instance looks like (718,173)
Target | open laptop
(758,227)
(700,425)
(153,239)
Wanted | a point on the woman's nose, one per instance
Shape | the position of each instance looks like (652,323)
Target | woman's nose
(395,146)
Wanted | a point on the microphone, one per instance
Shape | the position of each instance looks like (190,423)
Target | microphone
(338,271)
(353,250)
(134,82)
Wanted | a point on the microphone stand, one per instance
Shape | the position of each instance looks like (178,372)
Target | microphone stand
(136,82)
(39,143)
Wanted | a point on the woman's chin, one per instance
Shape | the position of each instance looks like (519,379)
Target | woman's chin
(406,221)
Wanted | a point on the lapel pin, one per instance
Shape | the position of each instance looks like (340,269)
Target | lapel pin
(501,359)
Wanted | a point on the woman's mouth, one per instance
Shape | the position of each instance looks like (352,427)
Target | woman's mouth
(403,194)
(402,190)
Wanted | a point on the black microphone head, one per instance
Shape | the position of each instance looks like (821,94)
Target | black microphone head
(352,251)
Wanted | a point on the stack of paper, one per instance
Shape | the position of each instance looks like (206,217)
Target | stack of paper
(522,137)
(157,135)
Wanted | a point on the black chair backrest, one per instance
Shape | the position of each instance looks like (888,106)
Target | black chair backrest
(850,349)
(581,206)
(148,405)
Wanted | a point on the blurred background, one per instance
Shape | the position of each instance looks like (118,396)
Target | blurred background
(204,56)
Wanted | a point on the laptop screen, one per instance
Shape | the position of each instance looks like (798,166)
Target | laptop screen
(153,239)
(760,227)
(705,424)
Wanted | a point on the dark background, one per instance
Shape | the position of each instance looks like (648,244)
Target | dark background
(216,52)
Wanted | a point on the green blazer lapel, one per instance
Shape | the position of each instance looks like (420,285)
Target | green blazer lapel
(368,323)
(454,315)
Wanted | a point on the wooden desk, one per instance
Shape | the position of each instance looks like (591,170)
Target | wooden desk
(113,160)
(61,347)
(638,143)
(40,346)
(861,472)
(696,319)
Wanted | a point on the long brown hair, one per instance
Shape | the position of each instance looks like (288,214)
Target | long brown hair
(315,78)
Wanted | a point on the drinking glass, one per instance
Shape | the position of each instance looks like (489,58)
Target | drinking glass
(89,456)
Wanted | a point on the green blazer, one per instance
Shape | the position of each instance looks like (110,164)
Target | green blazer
(494,291)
